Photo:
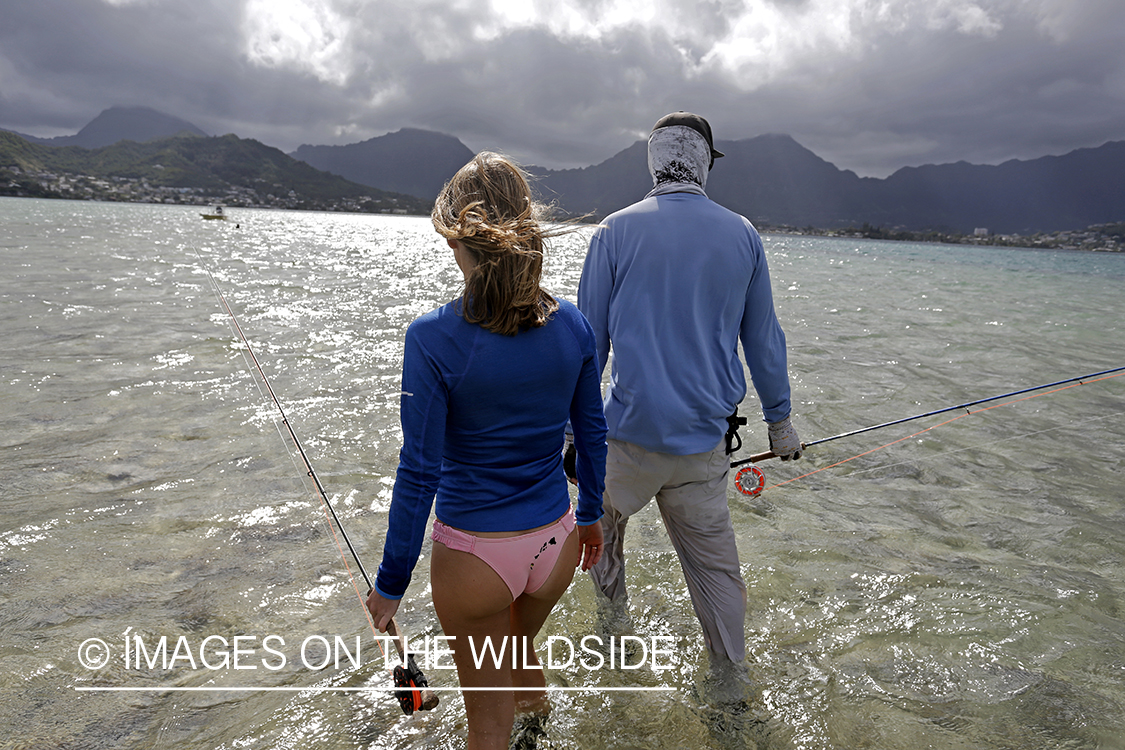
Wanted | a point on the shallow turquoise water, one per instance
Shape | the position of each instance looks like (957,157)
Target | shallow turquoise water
(958,589)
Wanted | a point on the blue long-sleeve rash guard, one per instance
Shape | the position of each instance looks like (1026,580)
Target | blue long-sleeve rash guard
(675,281)
(483,417)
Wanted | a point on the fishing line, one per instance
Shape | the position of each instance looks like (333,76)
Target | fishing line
(946,454)
(252,363)
(408,676)
(1092,378)
(751,480)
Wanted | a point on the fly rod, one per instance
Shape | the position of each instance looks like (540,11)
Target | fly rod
(408,676)
(770,454)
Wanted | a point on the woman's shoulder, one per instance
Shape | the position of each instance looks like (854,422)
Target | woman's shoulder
(569,314)
(566,307)
(439,317)
(437,326)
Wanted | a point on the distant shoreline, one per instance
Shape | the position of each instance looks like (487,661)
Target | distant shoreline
(203,202)
(1106,238)
(1102,238)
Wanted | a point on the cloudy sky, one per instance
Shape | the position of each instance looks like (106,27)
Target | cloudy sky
(870,85)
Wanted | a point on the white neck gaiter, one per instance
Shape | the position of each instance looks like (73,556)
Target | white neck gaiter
(678,160)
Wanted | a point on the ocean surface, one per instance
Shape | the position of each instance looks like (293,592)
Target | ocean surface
(937,584)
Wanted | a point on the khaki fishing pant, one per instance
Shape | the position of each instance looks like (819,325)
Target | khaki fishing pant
(691,492)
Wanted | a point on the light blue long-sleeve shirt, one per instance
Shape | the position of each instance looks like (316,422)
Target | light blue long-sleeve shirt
(673,282)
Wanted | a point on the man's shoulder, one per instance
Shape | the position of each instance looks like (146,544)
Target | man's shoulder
(657,213)
(702,227)
(645,205)
(683,201)
(704,203)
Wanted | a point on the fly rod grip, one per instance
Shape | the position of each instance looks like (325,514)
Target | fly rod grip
(757,457)
(753,459)
(768,454)
(429,697)
(400,640)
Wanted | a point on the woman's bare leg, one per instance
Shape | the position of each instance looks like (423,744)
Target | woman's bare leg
(473,602)
(528,613)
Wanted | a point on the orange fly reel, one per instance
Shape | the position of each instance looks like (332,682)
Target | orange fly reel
(408,676)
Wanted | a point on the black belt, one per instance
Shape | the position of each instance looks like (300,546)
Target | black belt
(734,440)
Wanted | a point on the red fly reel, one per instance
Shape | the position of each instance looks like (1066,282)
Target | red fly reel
(750,480)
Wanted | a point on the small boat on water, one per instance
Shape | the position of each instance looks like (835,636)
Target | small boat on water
(216,213)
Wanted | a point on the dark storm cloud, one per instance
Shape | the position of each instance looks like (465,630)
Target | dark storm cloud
(567,102)
(63,62)
(868,85)
(938,97)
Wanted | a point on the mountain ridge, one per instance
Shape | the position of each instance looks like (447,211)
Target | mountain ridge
(771,179)
(140,124)
(390,162)
(188,168)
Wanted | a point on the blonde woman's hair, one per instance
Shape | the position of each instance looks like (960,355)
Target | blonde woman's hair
(488,207)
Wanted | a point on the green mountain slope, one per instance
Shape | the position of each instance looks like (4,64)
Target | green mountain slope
(227,168)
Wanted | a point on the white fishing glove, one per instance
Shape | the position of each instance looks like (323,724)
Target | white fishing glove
(784,441)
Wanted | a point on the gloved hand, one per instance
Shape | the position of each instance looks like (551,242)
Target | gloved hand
(784,441)
(570,458)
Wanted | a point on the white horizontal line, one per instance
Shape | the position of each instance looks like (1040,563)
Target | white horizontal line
(243,689)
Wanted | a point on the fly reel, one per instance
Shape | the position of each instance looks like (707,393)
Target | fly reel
(750,480)
(408,676)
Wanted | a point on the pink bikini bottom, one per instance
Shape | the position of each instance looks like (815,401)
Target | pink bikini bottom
(523,561)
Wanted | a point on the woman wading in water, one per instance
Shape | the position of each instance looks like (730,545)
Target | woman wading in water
(489,382)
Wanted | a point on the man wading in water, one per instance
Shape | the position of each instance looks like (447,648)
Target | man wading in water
(674,282)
